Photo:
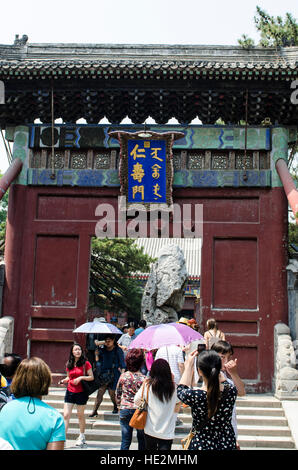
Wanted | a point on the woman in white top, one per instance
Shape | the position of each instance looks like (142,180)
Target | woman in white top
(162,398)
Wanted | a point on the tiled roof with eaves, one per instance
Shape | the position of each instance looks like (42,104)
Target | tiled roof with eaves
(93,81)
(145,61)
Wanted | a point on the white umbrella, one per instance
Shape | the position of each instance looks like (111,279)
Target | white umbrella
(98,327)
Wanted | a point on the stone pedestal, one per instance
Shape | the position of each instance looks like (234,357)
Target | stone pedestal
(6,335)
(285,374)
(292,275)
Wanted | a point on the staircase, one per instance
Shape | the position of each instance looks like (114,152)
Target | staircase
(262,424)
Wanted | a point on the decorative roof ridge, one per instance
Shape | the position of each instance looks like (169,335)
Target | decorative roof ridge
(144,52)
(122,63)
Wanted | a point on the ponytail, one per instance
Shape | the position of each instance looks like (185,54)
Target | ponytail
(209,363)
(213,392)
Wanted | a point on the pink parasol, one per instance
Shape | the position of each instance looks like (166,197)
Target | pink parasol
(165,334)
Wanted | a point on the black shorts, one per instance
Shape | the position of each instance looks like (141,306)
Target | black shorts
(79,398)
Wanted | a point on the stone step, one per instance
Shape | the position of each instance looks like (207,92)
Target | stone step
(242,410)
(257,400)
(258,411)
(252,441)
(270,442)
(92,445)
(250,396)
(59,404)
(271,421)
(261,423)
(248,400)
(262,420)
(253,429)
(262,430)
(70,445)
(111,435)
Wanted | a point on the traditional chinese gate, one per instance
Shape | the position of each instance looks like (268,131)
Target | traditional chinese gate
(69,170)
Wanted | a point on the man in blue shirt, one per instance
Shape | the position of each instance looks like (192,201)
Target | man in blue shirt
(142,326)
(127,338)
(9,366)
(8,370)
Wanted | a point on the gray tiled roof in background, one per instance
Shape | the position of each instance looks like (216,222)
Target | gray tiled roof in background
(190,246)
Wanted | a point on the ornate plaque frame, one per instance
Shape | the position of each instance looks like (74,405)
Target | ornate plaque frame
(169,138)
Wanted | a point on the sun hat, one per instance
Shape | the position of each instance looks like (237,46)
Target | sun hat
(183,320)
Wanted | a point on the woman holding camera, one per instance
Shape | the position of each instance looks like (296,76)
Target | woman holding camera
(211,405)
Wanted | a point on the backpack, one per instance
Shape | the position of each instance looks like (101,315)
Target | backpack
(4,396)
(214,338)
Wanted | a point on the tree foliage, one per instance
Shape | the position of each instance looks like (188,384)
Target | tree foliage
(293,237)
(246,42)
(112,287)
(275,32)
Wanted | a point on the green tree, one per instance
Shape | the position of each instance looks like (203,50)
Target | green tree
(112,286)
(275,32)
(292,237)
(292,226)
(246,42)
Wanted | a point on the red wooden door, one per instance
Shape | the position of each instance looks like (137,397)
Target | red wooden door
(48,268)
(243,282)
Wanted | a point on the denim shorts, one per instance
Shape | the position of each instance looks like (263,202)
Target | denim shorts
(79,398)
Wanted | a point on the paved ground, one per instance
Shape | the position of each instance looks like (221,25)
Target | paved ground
(291,411)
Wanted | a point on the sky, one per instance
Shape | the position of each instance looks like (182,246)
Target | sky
(212,22)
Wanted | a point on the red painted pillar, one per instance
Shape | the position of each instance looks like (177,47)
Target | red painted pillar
(289,185)
(10,174)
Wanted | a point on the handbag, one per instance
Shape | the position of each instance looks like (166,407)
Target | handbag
(90,386)
(138,419)
(106,377)
(185,442)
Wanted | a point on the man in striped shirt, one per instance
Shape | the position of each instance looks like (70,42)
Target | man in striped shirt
(174,355)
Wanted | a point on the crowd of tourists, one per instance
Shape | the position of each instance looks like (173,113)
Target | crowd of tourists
(202,376)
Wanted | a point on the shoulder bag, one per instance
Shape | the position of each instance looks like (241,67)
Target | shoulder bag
(138,419)
(185,442)
(90,386)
